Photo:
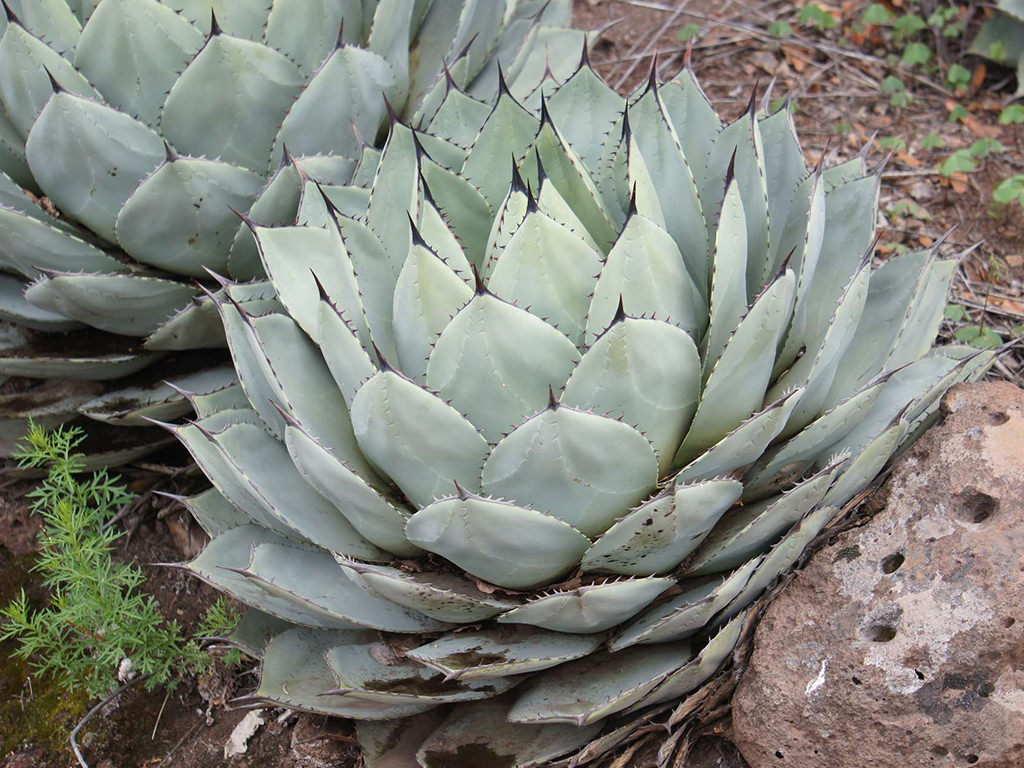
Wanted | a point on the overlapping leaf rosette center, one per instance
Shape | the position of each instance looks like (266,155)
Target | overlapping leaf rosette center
(130,129)
(544,400)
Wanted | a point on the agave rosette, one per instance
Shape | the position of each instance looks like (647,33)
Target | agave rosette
(130,129)
(544,400)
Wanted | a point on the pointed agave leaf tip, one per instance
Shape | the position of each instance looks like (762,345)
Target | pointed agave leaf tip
(328,203)
(584,57)
(542,174)
(552,398)
(766,99)
(502,84)
(730,173)
(221,280)
(785,263)
(885,163)
(545,116)
(751,104)
(417,238)
(339,42)
(631,210)
(57,87)
(449,79)
(392,115)
(324,296)
(215,28)
(287,158)
(820,165)
(518,185)
(531,201)
(465,49)
(383,363)
(478,280)
(290,420)
(688,54)
(169,154)
(460,491)
(627,132)
(620,312)
(12,17)
(421,151)
(252,225)
(652,75)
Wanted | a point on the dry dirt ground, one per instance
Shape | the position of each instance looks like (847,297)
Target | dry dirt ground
(835,80)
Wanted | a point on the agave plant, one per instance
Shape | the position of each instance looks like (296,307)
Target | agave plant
(543,402)
(129,129)
(1001,38)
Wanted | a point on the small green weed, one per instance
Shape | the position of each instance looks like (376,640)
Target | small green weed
(99,628)
(1010,190)
(1012,114)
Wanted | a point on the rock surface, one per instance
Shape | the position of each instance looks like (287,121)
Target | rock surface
(902,643)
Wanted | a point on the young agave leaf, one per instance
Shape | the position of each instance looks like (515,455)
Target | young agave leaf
(546,268)
(428,295)
(509,131)
(672,178)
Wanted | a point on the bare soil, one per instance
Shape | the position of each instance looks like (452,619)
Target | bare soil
(840,108)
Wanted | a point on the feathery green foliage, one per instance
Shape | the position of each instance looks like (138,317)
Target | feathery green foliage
(98,616)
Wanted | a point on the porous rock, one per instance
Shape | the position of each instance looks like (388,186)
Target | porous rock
(902,643)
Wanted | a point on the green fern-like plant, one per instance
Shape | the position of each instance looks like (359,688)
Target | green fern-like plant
(99,628)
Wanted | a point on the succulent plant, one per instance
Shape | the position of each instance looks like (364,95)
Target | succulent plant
(129,129)
(544,400)
(1001,38)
